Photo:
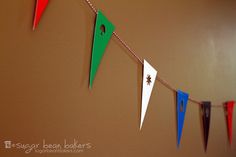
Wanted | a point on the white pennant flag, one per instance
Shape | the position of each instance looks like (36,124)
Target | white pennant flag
(149,78)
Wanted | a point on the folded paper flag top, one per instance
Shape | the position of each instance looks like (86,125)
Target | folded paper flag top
(206,117)
(39,9)
(229,111)
(149,78)
(102,35)
(182,101)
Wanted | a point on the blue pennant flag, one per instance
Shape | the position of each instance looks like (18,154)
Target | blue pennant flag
(182,101)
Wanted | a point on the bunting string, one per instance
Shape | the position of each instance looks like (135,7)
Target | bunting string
(160,79)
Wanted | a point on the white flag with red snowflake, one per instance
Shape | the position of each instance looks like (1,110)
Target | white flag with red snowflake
(149,78)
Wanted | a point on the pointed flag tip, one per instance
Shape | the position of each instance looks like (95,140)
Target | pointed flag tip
(205,147)
(141,123)
(140,127)
(34,25)
(178,145)
(39,9)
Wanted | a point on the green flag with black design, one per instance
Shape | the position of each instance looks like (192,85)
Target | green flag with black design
(102,35)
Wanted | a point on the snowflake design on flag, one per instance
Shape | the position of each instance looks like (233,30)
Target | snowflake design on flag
(149,79)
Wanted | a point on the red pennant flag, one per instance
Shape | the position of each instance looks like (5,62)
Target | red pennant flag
(229,117)
(40,7)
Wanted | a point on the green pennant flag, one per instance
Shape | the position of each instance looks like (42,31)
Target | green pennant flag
(102,35)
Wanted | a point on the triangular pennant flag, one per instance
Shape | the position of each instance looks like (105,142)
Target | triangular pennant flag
(39,9)
(229,111)
(102,35)
(206,117)
(149,78)
(182,101)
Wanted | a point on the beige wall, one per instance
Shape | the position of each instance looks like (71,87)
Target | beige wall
(44,76)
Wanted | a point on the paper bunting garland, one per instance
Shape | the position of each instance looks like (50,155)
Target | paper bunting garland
(149,78)
(102,35)
(39,9)
(229,111)
(182,101)
(206,117)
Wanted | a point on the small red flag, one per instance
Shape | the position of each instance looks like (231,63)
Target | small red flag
(39,9)
(229,110)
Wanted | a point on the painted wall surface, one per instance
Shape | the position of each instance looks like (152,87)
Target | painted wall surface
(44,76)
